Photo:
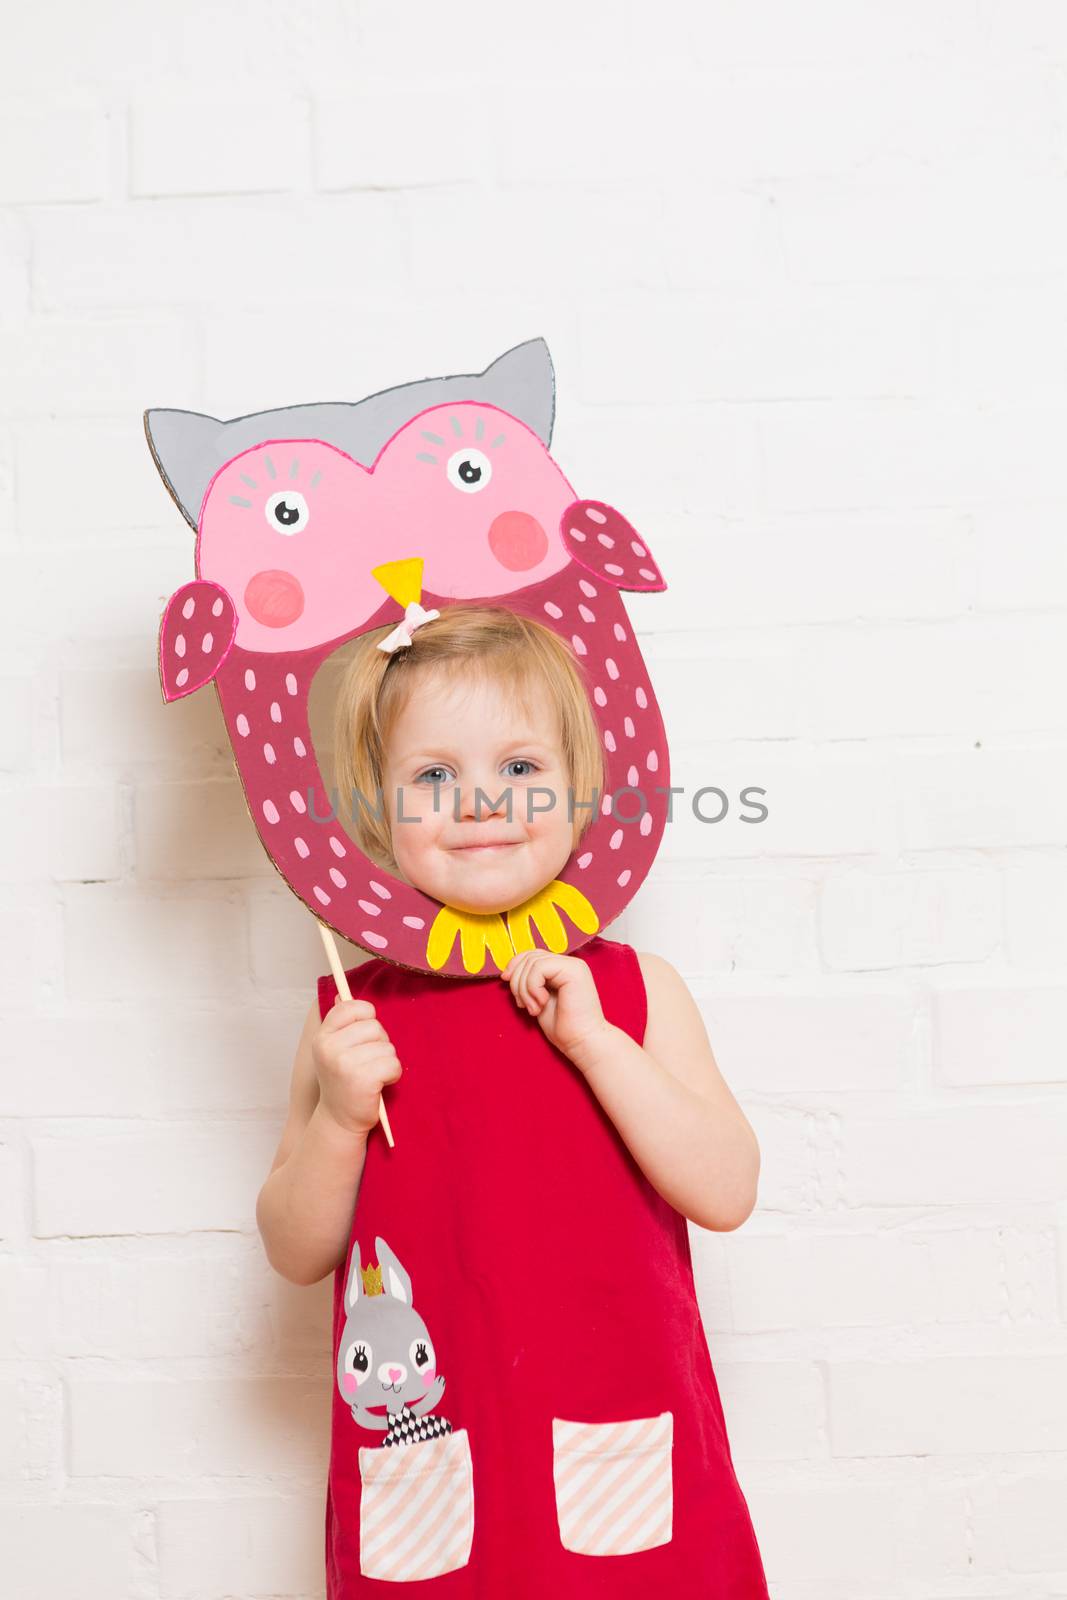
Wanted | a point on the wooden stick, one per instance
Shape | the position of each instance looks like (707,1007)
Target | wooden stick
(334,958)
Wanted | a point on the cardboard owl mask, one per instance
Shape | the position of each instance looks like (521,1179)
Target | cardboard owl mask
(316,523)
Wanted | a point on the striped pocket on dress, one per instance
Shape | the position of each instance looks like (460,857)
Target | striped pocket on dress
(416,1509)
(614,1484)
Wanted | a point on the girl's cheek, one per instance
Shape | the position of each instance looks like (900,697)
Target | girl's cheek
(348,1383)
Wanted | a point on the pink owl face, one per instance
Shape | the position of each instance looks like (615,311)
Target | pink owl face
(292,529)
(461,502)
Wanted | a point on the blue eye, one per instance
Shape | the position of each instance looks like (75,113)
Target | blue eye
(521,761)
(432,780)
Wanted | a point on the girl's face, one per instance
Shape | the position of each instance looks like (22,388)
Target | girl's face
(479,852)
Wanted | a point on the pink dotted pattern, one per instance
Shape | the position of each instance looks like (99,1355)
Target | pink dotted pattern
(264,697)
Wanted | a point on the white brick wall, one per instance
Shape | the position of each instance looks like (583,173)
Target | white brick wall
(803,272)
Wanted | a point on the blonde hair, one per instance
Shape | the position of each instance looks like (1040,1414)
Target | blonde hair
(464,642)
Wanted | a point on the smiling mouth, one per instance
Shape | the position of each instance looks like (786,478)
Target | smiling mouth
(482,849)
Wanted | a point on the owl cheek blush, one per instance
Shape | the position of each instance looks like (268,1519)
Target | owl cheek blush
(517,540)
(274,598)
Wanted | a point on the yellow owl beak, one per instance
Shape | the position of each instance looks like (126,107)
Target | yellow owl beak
(401,580)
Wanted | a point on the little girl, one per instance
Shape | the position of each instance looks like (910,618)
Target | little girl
(514,1306)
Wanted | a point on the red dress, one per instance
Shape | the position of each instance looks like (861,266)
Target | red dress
(578,1446)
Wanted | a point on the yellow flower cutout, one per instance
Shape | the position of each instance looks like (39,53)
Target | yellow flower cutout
(481,932)
(541,908)
(477,932)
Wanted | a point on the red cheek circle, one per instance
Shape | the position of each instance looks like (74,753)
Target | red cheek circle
(350,1383)
(517,540)
(274,598)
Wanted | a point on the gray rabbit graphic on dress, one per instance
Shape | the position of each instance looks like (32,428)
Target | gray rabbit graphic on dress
(386,1356)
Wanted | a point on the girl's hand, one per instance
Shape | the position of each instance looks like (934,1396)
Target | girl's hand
(354,1059)
(561,993)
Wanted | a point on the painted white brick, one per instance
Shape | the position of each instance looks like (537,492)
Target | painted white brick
(993,675)
(12,1188)
(189,1428)
(1021,559)
(52,152)
(108,631)
(621,233)
(870,919)
(961,1405)
(236,140)
(839,802)
(399,134)
(122,49)
(965,222)
(479,56)
(705,465)
(1018,1526)
(895,454)
(1011,796)
(31,937)
(719,923)
(964,1156)
(14,270)
(765,119)
(1035,893)
(16,721)
(865,1280)
(848,1037)
(740,344)
(709,1251)
(775,30)
(800,1157)
(176,1179)
(71,1547)
(66,832)
(869,1538)
(286,954)
(788,1423)
(196,830)
(162,1060)
(1000,1033)
(149,1306)
(29,1430)
(23,1289)
(1035,31)
(251,252)
(113,720)
(993,341)
(218,1547)
(834,567)
(58,458)
(7,478)
(121,944)
(102,366)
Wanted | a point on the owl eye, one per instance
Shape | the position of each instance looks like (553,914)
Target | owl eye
(287,512)
(469,470)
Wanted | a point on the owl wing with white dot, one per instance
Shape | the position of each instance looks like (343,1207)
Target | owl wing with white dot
(601,539)
(195,635)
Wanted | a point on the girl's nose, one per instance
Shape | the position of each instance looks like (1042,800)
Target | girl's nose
(482,798)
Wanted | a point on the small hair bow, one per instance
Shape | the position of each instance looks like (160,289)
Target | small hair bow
(400,638)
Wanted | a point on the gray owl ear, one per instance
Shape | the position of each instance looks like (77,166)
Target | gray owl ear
(187,449)
(523,382)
